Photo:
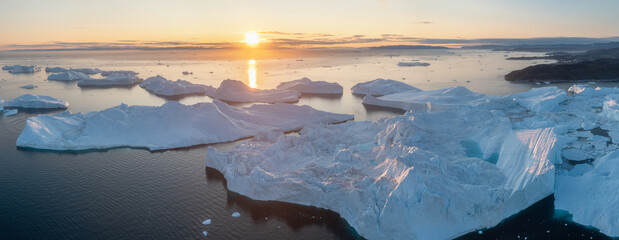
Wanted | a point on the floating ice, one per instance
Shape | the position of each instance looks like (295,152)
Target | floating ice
(204,233)
(29,86)
(161,86)
(380,87)
(236,214)
(124,72)
(1,104)
(114,79)
(541,99)
(10,112)
(55,69)
(67,76)
(206,222)
(405,177)
(432,100)
(172,125)
(89,71)
(305,85)
(237,91)
(35,101)
(413,64)
(21,69)
(592,198)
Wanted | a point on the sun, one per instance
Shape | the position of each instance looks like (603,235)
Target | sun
(252,38)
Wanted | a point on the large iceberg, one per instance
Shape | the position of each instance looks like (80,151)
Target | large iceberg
(21,69)
(432,100)
(164,87)
(592,198)
(237,91)
(114,79)
(407,177)
(35,101)
(380,87)
(305,85)
(67,76)
(172,125)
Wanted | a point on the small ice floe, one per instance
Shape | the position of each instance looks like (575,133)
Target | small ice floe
(164,87)
(35,101)
(305,85)
(29,86)
(380,87)
(10,112)
(206,222)
(413,64)
(114,79)
(88,71)
(67,76)
(236,214)
(55,69)
(204,233)
(187,73)
(21,69)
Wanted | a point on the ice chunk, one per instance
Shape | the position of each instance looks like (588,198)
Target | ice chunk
(67,76)
(55,69)
(29,86)
(237,91)
(124,72)
(413,64)
(305,85)
(380,87)
(236,214)
(114,79)
(89,71)
(21,69)
(592,198)
(204,233)
(1,104)
(35,101)
(10,112)
(574,154)
(543,99)
(415,183)
(611,107)
(172,125)
(206,222)
(432,100)
(161,86)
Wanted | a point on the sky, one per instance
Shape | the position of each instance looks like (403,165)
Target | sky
(28,24)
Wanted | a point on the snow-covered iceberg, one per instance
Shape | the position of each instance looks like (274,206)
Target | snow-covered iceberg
(592,198)
(35,101)
(380,87)
(541,99)
(114,79)
(237,91)
(1,104)
(413,64)
(21,69)
(305,85)
(164,87)
(407,177)
(55,69)
(67,76)
(432,100)
(172,125)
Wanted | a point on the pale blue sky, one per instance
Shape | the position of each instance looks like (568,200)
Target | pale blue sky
(44,21)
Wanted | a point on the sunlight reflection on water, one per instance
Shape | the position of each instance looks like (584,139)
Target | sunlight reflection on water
(251,73)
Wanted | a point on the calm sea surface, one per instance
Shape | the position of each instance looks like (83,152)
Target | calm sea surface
(136,194)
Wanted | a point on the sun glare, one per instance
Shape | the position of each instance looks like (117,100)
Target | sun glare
(252,38)
(251,72)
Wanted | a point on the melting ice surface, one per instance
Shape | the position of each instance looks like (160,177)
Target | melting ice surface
(443,170)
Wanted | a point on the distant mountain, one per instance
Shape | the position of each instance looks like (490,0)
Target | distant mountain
(547,47)
(407,47)
(603,69)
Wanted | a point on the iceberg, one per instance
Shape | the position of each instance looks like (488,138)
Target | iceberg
(29,86)
(167,88)
(21,69)
(114,79)
(125,72)
(89,71)
(380,87)
(55,69)
(592,197)
(406,177)
(544,99)
(413,64)
(432,100)
(1,104)
(305,85)
(67,76)
(37,102)
(172,125)
(10,112)
(237,91)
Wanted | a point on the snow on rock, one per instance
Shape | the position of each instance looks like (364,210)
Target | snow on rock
(29,86)
(55,69)
(35,101)
(406,177)
(305,85)
(114,79)
(172,125)
(10,112)
(21,69)
(237,91)
(413,64)
(543,99)
(432,100)
(380,87)
(67,76)
(161,86)
(592,197)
